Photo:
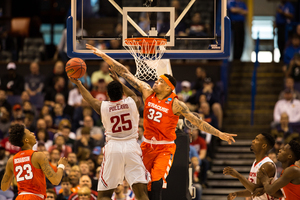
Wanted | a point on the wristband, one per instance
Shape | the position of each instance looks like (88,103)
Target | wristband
(62,166)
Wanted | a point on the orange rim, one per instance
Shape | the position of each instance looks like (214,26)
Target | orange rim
(147,44)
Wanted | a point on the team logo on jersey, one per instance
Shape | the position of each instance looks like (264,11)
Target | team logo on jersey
(170,99)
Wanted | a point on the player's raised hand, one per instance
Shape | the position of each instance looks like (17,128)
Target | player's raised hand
(228,137)
(230,171)
(231,196)
(63,161)
(74,80)
(113,74)
(94,49)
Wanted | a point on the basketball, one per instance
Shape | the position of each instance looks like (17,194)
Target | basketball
(75,68)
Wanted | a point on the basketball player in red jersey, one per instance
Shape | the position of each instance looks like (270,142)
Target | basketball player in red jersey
(161,114)
(29,167)
(289,180)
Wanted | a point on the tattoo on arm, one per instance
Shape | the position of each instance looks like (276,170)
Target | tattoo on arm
(5,179)
(47,169)
(180,108)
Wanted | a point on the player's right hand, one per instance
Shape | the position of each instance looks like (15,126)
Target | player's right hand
(227,137)
(74,80)
(231,196)
(63,161)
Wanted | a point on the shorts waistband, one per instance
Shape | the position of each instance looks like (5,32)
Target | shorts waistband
(39,195)
(158,142)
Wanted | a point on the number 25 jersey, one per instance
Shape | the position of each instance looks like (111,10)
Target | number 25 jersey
(159,120)
(29,178)
(120,119)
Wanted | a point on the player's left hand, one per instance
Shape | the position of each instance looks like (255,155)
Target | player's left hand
(94,49)
(74,80)
(258,192)
(227,137)
(230,171)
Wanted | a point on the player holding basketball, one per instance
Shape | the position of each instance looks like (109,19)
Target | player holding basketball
(122,153)
(260,146)
(161,113)
(29,167)
(289,180)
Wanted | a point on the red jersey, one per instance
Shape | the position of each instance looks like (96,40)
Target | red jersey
(199,144)
(291,191)
(29,178)
(159,120)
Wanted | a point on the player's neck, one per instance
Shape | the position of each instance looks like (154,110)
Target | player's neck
(259,156)
(26,147)
(163,95)
(287,164)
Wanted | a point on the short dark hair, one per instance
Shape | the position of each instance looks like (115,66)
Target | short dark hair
(52,192)
(46,134)
(295,147)
(65,179)
(16,135)
(115,90)
(171,79)
(269,139)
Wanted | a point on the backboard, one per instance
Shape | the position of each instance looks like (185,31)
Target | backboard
(194,29)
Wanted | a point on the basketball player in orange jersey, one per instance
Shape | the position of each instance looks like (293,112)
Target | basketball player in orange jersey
(29,167)
(161,114)
(289,180)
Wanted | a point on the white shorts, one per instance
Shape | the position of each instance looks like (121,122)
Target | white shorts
(122,158)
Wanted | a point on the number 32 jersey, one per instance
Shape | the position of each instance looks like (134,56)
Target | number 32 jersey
(120,119)
(29,178)
(159,120)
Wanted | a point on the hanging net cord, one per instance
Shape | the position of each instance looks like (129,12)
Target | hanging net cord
(146,52)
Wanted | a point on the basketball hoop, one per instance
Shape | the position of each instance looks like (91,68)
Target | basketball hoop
(146,52)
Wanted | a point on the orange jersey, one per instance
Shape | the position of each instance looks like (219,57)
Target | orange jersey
(291,191)
(159,120)
(29,178)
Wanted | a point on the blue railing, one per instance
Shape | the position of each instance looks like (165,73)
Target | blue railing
(253,81)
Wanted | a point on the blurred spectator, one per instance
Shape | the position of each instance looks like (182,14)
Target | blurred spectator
(67,109)
(279,144)
(283,129)
(74,180)
(95,132)
(28,122)
(200,76)
(41,124)
(284,15)
(85,141)
(291,50)
(65,123)
(86,81)
(118,193)
(9,148)
(128,191)
(66,133)
(84,193)
(54,157)
(3,101)
(59,87)
(34,82)
(92,169)
(44,111)
(289,83)
(43,137)
(194,159)
(17,111)
(51,195)
(200,146)
(237,11)
(61,51)
(84,183)
(61,147)
(186,90)
(99,92)
(198,27)
(4,122)
(75,98)
(102,73)
(28,108)
(12,82)
(58,115)
(72,159)
(272,155)
(294,70)
(66,189)
(288,105)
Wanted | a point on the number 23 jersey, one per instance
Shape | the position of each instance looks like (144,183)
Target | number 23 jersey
(159,120)
(29,178)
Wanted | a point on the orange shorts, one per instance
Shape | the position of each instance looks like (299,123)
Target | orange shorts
(28,197)
(158,159)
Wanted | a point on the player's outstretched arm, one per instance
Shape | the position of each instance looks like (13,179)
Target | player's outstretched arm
(95,103)
(8,175)
(120,69)
(179,107)
(54,177)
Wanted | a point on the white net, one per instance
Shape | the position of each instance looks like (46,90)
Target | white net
(146,52)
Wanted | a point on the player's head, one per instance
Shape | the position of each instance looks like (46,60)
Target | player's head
(262,143)
(20,136)
(290,152)
(115,90)
(164,83)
